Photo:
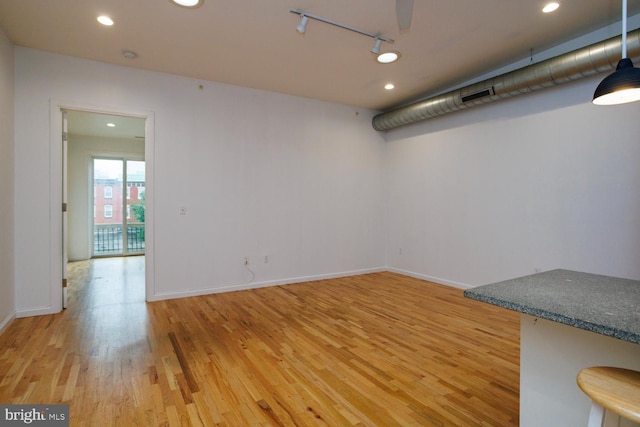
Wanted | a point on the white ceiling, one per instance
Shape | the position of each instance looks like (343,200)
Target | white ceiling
(92,124)
(254,43)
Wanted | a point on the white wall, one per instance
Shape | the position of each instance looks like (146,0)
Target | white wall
(7,290)
(542,181)
(82,149)
(261,174)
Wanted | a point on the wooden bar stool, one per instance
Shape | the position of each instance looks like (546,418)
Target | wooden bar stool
(614,389)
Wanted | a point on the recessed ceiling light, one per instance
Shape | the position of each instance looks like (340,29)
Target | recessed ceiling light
(111,125)
(389,86)
(387,57)
(187,3)
(105,20)
(550,7)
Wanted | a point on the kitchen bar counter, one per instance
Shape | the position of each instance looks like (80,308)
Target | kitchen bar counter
(569,321)
(605,305)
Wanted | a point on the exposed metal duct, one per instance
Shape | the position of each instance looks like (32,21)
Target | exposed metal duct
(594,59)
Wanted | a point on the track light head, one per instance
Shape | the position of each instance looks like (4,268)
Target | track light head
(376,47)
(303,24)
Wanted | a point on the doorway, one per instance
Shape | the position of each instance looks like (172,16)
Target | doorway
(105,188)
(57,163)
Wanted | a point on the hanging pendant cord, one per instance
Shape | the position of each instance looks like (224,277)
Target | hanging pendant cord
(624,28)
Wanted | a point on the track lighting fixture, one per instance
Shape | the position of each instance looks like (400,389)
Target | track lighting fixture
(376,47)
(303,24)
(304,18)
(623,85)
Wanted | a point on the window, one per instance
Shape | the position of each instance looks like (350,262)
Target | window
(116,183)
(140,193)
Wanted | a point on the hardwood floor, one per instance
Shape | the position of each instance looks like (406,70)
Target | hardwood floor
(374,350)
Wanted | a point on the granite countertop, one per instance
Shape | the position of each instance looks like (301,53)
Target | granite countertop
(601,304)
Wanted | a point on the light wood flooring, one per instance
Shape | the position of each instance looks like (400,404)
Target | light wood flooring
(373,350)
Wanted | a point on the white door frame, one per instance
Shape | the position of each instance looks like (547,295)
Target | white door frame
(65,200)
(55,192)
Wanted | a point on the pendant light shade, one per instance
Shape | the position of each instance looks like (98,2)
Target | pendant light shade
(623,85)
(619,87)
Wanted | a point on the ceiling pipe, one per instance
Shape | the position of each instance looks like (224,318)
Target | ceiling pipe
(591,60)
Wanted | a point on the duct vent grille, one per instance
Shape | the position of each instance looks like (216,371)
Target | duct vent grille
(481,94)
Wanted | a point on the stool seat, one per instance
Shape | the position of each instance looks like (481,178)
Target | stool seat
(615,389)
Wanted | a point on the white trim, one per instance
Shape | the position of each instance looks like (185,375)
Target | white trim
(55,215)
(431,278)
(6,322)
(55,196)
(41,311)
(255,285)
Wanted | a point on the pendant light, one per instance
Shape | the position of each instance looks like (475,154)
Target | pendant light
(623,85)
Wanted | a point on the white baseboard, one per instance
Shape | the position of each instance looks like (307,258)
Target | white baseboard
(255,285)
(41,311)
(433,279)
(7,321)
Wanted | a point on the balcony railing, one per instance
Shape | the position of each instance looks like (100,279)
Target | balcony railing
(107,239)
